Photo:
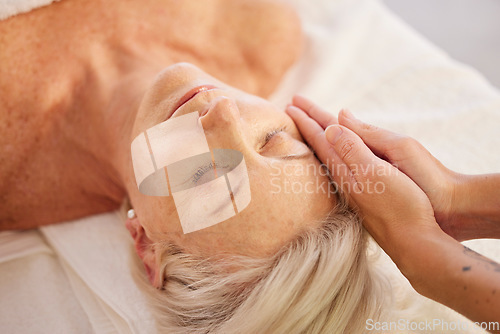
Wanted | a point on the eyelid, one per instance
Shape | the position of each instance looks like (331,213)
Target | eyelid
(270,135)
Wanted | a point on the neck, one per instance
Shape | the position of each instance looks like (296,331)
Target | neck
(119,120)
(66,144)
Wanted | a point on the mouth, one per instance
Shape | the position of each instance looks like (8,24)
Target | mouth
(189,95)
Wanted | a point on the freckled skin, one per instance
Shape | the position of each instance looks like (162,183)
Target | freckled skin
(73,74)
(235,120)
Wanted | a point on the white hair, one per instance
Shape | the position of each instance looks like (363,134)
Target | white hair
(321,282)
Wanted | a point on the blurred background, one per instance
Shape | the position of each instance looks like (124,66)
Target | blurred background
(468,30)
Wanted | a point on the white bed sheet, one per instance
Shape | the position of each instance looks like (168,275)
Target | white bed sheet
(10,8)
(356,55)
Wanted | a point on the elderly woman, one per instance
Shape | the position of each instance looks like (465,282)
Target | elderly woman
(73,74)
(291,261)
(80,80)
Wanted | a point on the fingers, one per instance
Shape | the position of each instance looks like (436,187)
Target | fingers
(393,206)
(313,134)
(403,151)
(341,148)
(356,161)
(321,116)
(345,157)
(349,147)
(379,140)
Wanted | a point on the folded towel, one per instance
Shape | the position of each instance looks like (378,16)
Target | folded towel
(96,253)
(36,296)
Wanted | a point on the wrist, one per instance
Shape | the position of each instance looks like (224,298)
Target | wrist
(454,219)
(475,212)
(463,196)
(423,258)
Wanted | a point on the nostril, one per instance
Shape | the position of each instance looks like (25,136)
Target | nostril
(204,111)
(221,109)
(223,125)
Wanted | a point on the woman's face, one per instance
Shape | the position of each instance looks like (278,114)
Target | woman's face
(289,190)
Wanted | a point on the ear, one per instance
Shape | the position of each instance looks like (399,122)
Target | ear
(144,248)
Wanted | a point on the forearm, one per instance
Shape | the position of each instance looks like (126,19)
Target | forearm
(448,272)
(477,206)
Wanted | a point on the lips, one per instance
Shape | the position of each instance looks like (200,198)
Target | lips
(189,95)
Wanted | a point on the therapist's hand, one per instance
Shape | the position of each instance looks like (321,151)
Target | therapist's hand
(443,187)
(396,212)
(465,206)
(399,215)
(409,156)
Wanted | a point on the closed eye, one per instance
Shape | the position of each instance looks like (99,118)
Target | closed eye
(270,135)
(285,149)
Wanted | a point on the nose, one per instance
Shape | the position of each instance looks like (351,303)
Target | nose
(223,126)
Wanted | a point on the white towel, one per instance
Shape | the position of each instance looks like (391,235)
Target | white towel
(35,294)
(10,8)
(95,253)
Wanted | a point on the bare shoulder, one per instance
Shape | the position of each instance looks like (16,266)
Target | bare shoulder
(271,34)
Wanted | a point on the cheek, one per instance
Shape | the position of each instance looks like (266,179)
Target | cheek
(279,208)
(306,196)
(158,216)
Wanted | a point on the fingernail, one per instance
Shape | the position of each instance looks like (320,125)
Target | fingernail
(333,133)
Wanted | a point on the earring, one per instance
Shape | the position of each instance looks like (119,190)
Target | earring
(131,214)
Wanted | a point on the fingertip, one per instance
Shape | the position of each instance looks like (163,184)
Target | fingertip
(346,117)
(301,101)
(347,114)
(297,97)
(291,110)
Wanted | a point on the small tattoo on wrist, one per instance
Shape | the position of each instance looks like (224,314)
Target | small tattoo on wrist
(489,264)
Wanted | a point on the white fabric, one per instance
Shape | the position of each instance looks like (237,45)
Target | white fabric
(10,8)
(36,296)
(359,56)
(95,253)
(356,55)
